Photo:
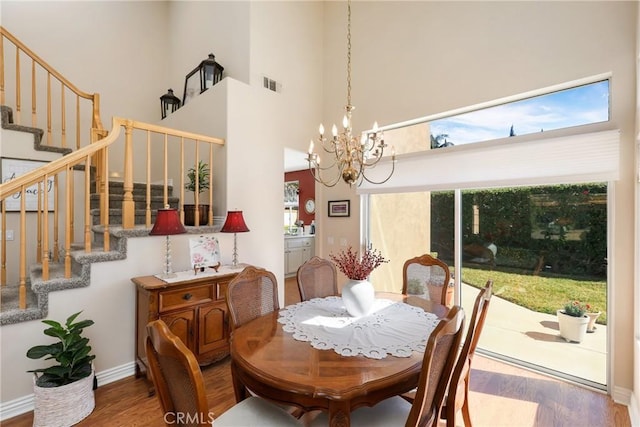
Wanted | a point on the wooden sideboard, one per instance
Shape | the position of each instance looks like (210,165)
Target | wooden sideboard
(194,308)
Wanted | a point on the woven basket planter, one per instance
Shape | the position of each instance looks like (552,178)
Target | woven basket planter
(65,405)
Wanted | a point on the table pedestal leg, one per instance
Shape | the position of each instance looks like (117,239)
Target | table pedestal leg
(239,389)
(339,414)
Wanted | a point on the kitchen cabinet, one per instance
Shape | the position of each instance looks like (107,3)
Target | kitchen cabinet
(194,308)
(297,251)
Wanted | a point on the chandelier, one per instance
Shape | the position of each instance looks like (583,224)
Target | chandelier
(351,154)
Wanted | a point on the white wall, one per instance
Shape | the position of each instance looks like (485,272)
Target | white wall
(116,49)
(198,28)
(413,59)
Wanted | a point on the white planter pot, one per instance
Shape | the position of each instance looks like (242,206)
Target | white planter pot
(572,328)
(65,405)
(358,297)
(592,321)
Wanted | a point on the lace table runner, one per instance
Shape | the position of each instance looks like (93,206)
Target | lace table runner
(392,327)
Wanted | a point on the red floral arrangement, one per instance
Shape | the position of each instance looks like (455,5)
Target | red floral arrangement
(358,268)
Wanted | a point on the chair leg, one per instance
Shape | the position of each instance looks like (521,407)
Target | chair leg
(465,414)
(450,414)
(465,405)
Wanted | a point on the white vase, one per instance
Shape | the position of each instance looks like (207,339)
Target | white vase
(572,328)
(358,297)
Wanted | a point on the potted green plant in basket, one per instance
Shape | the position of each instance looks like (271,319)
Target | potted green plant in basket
(199,173)
(63,393)
(573,321)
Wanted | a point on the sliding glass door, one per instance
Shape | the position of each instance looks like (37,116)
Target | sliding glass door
(542,246)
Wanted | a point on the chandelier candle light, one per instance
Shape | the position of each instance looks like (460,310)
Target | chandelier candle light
(353,154)
(167,223)
(234,224)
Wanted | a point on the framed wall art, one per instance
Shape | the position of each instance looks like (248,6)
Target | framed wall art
(13,168)
(339,208)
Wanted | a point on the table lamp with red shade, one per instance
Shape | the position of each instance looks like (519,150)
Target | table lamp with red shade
(167,224)
(234,224)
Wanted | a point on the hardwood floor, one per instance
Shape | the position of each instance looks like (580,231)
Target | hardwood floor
(501,395)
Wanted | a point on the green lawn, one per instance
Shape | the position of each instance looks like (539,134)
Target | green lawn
(541,294)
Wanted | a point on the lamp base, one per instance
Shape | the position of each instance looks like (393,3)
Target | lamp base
(167,276)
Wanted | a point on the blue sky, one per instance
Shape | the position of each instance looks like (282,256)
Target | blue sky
(570,107)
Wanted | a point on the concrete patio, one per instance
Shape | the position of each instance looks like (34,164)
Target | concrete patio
(534,338)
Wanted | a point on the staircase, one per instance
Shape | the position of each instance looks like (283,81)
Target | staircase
(81,216)
(38,289)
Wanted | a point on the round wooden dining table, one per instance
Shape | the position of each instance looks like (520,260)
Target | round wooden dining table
(274,365)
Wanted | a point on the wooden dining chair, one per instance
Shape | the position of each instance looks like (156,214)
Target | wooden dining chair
(251,294)
(437,366)
(317,278)
(428,277)
(180,387)
(458,394)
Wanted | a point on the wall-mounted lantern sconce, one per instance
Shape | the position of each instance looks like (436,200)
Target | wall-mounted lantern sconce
(205,75)
(169,103)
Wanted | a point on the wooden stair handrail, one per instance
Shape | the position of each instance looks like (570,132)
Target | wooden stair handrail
(44,64)
(71,159)
(95,97)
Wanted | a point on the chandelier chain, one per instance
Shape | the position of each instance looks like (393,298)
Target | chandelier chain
(349,53)
(349,155)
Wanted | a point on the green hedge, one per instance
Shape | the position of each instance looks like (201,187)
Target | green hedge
(557,230)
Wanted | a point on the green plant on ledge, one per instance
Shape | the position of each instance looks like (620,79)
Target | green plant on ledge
(71,353)
(202,171)
(576,309)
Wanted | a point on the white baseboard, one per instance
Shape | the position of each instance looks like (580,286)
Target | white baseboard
(24,404)
(621,395)
(114,374)
(634,411)
(16,407)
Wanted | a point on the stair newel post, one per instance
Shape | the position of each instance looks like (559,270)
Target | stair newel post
(87,205)
(18,90)
(45,228)
(39,223)
(63,119)
(71,191)
(104,194)
(22,290)
(3,268)
(147,210)
(56,218)
(128,206)
(68,221)
(34,92)
(77,123)
(95,122)
(2,95)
